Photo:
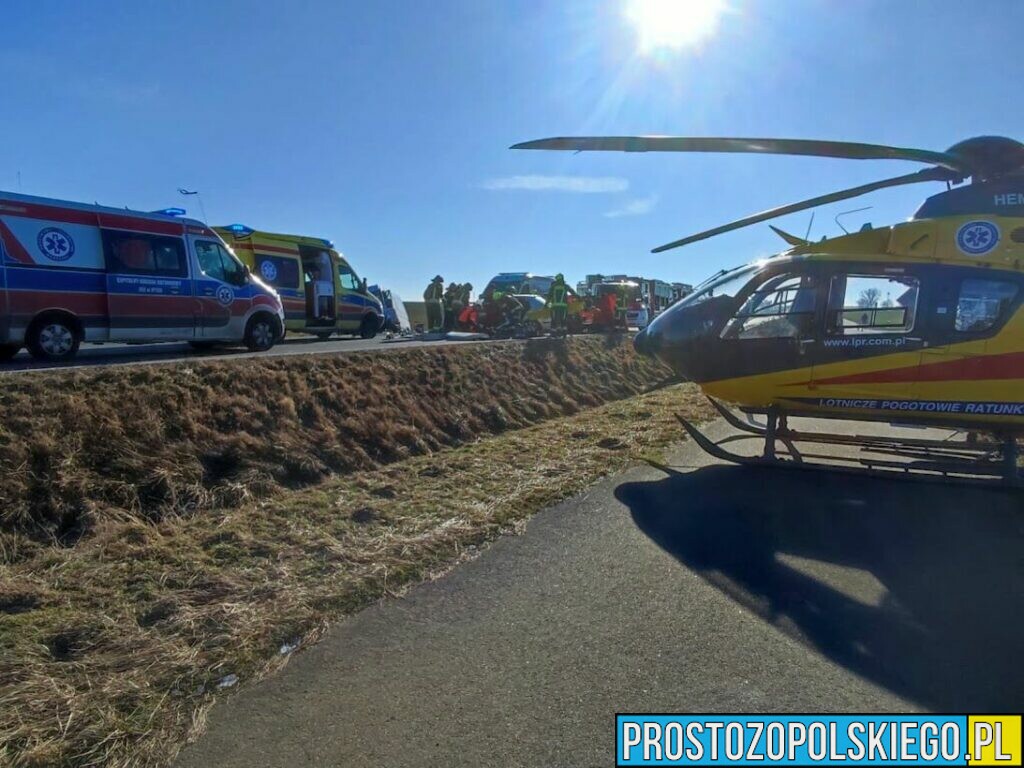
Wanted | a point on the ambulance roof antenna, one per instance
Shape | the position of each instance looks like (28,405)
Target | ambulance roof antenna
(199,197)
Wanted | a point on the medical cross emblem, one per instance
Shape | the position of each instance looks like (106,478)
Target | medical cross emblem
(977,237)
(56,244)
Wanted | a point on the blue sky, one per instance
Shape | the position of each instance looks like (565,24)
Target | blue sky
(385,125)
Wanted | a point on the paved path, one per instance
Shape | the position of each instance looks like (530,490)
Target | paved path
(712,588)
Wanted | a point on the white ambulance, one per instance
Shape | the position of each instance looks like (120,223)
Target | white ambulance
(71,272)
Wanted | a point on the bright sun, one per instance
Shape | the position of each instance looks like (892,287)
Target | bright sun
(673,24)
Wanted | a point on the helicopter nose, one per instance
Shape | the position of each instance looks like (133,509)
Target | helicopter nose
(680,337)
(648,342)
(640,342)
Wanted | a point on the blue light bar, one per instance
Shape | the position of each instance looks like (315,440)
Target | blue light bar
(239,230)
(172,212)
(326,242)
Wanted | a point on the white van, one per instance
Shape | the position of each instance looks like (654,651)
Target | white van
(72,272)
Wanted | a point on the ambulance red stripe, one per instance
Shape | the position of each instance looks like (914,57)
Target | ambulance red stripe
(30,302)
(14,248)
(91,218)
(113,221)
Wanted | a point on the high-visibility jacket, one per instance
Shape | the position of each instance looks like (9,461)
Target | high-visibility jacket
(558,294)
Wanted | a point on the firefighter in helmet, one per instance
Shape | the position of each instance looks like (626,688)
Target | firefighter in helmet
(558,301)
(434,298)
(451,305)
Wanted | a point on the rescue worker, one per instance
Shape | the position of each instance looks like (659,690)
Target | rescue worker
(323,289)
(558,301)
(607,305)
(488,314)
(462,305)
(449,308)
(434,298)
(453,305)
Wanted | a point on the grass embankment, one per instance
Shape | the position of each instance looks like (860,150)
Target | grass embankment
(112,650)
(80,448)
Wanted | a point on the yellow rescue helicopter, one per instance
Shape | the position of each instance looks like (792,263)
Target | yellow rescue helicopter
(919,323)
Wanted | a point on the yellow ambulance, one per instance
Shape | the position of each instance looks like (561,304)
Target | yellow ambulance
(320,291)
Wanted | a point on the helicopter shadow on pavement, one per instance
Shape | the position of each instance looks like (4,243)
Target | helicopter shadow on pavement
(918,587)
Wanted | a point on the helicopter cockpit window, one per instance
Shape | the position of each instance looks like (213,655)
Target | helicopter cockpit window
(725,285)
(868,304)
(783,307)
(982,303)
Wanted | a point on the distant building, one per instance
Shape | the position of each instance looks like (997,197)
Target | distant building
(680,290)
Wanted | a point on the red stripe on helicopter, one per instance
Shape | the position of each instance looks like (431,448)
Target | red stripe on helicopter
(14,248)
(1006,366)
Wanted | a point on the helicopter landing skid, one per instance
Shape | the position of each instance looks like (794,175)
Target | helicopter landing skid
(908,458)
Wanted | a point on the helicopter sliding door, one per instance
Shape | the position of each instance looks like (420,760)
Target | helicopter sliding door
(970,359)
(870,347)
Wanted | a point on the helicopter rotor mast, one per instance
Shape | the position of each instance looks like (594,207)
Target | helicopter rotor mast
(982,158)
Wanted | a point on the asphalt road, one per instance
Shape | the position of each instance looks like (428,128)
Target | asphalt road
(114,354)
(707,588)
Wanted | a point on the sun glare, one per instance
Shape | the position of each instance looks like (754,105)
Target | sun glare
(673,24)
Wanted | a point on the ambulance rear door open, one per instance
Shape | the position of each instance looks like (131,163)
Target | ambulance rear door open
(319,285)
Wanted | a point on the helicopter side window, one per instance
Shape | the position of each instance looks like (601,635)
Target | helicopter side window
(869,304)
(781,308)
(982,304)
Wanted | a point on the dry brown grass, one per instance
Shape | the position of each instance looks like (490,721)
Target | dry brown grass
(111,651)
(81,449)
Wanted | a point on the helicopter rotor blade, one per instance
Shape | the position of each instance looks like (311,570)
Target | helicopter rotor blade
(927,174)
(808,147)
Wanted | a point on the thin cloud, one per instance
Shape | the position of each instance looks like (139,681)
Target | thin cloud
(638,207)
(582,184)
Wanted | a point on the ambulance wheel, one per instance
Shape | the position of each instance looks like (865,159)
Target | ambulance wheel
(368,328)
(261,333)
(8,351)
(54,338)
